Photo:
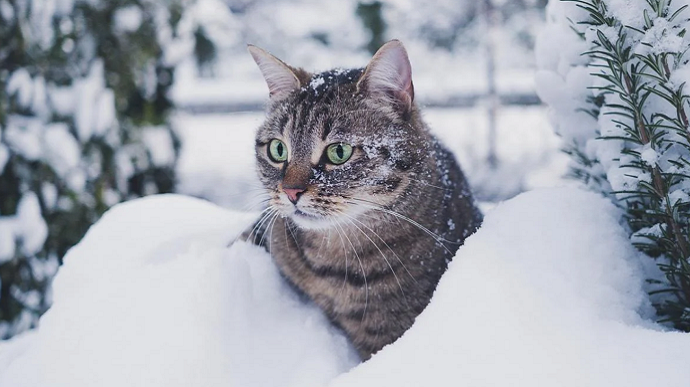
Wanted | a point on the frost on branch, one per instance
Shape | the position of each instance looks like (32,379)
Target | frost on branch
(614,74)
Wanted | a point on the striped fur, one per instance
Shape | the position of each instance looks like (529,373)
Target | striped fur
(369,239)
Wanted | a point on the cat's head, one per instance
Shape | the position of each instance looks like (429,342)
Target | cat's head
(339,143)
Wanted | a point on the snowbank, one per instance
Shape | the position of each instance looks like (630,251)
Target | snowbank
(152,296)
(548,292)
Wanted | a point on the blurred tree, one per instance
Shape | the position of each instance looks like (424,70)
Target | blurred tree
(83,126)
(372,18)
(205,52)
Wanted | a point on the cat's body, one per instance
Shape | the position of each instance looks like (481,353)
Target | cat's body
(368,238)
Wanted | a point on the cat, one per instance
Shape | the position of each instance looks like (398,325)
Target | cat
(365,208)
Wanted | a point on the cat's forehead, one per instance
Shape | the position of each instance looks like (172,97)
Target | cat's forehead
(322,84)
(325,101)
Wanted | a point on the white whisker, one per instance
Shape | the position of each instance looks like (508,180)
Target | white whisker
(375,206)
(361,266)
(384,242)
(402,291)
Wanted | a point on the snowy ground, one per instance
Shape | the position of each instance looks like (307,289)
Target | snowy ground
(548,292)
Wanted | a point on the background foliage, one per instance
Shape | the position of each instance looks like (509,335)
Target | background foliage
(83,125)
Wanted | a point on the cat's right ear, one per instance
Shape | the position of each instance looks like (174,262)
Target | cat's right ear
(389,75)
(280,78)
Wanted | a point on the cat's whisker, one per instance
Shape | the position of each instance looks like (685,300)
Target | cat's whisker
(377,207)
(402,291)
(245,192)
(249,207)
(267,213)
(342,242)
(293,235)
(427,184)
(381,239)
(361,266)
(270,245)
(271,223)
(262,215)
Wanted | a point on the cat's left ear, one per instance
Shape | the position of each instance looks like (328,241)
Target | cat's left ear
(389,75)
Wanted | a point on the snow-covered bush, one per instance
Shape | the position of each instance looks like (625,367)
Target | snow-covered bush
(83,126)
(614,73)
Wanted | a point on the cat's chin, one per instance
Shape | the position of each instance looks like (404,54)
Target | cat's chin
(307,221)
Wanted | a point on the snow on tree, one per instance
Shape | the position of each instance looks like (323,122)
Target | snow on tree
(614,74)
(83,126)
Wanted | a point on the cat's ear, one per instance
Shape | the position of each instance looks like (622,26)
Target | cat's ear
(280,78)
(389,75)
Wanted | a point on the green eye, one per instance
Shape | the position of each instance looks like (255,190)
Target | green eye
(277,151)
(339,153)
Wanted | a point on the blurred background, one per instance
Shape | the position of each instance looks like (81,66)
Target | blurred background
(103,101)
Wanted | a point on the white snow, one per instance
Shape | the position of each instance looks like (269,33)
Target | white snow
(217,158)
(662,37)
(61,149)
(95,108)
(127,19)
(27,227)
(21,85)
(160,145)
(152,296)
(649,155)
(548,292)
(4,157)
(23,135)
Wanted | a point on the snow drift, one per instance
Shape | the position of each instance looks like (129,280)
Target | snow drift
(548,292)
(152,296)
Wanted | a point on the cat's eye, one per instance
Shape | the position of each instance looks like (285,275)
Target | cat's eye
(277,151)
(339,153)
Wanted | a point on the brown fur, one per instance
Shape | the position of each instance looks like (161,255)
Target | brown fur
(368,240)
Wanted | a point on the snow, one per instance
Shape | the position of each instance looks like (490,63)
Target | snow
(182,309)
(61,149)
(649,155)
(662,37)
(23,136)
(217,158)
(570,81)
(4,157)
(95,110)
(127,19)
(160,145)
(26,226)
(20,84)
(548,292)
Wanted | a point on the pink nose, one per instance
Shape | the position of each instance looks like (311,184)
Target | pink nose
(294,193)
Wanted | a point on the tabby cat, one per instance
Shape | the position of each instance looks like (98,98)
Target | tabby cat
(365,208)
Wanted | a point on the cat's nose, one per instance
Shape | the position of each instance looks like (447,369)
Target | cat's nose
(294,193)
